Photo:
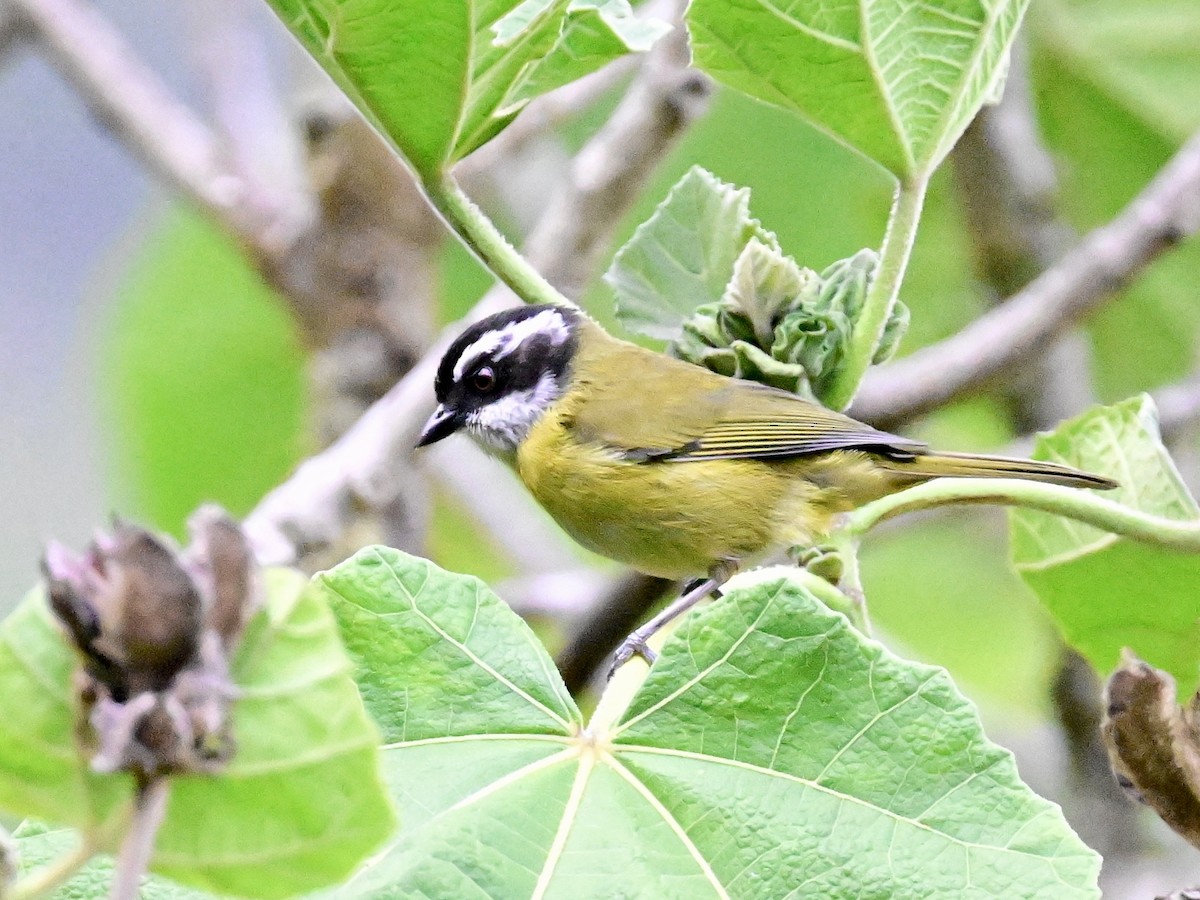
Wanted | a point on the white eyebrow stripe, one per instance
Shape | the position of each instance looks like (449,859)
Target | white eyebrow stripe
(487,343)
(548,322)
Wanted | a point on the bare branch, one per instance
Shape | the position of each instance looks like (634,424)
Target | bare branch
(561,596)
(1163,214)
(132,101)
(1178,406)
(581,218)
(12,29)
(367,463)
(1007,185)
(256,132)
(611,619)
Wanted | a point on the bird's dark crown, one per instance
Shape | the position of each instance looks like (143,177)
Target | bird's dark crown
(517,345)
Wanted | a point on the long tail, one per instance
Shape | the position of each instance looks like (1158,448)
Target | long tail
(923,466)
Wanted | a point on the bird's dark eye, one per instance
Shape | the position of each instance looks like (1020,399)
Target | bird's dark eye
(483,380)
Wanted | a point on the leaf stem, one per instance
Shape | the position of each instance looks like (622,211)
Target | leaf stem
(150,806)
(836,597)
(484,239)
(1073,503)
(61,870)
(881,297)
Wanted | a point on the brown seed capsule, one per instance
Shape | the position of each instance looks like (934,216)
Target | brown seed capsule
(154,628)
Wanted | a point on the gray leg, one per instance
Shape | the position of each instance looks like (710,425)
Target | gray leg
(635,644)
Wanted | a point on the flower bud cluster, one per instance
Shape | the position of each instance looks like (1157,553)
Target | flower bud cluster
(783,325)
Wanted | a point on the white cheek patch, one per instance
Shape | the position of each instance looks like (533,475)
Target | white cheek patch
(502,342)
(503,424)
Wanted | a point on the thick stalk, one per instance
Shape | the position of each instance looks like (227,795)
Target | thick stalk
(1073,503)
(150,806)
(897,247)
(853,608)
(484,239)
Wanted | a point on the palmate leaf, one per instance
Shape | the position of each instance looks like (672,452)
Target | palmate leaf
(771,749)
(1106,592)
(443,77)
(298,807)
(897,80)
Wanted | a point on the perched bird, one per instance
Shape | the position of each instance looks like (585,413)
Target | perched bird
(666,466)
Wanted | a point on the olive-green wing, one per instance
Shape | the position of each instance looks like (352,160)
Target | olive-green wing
(764,423)
(680,412)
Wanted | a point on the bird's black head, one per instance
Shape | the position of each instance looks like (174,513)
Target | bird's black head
(501,374)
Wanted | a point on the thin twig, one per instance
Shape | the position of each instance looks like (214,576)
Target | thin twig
(1163,214)
(138,846)
(881,297)
(133,102)
(1071,503)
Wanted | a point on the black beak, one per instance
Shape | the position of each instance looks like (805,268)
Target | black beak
(443,423)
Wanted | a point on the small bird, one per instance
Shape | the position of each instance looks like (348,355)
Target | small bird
(665,466)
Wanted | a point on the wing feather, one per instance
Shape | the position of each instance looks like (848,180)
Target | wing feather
(681,412)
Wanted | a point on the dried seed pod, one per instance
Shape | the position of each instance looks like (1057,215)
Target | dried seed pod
(154,628)
(225,568)
(1153,745)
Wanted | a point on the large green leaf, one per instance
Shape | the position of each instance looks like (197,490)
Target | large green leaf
(204,376)
(298,807)
(897,80)
(442,77)
(771,749)
(595,33)
(1106,592)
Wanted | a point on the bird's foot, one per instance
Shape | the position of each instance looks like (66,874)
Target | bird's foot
(634,645)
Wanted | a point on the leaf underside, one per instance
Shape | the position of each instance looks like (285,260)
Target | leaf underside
(442,79)
(1106,592)
(897,80)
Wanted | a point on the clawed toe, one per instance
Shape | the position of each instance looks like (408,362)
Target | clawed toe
(632,646)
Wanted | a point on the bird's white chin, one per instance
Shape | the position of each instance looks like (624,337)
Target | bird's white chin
(498,443)
(502,425)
